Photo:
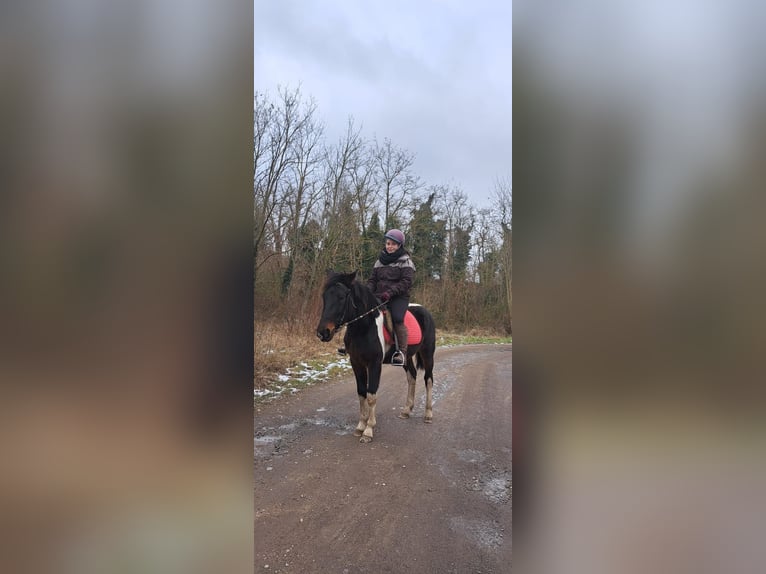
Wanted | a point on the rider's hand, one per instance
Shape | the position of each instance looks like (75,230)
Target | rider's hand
(385,296)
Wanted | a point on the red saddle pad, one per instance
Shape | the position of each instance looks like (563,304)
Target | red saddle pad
(414,334)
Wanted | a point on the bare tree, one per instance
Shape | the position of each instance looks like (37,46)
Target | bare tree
(362,170)
(398,182)
(459,216)
(486,243)
(337,216)
(277,131)
(303,191)
(264,115)
(503,200)
(503,205)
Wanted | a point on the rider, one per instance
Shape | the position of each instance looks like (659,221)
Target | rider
(391,281)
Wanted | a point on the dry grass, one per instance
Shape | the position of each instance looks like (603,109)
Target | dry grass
(279,345)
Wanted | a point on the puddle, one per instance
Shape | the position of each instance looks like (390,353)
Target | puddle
(497,490)
(472,456)
(268,439)
(481,533)
(496,487)
(272,441)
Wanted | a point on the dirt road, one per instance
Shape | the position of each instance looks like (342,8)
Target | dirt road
(419,498)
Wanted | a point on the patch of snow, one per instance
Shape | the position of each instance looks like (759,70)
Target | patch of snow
(303,375)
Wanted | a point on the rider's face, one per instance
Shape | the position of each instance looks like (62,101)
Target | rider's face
(391,246)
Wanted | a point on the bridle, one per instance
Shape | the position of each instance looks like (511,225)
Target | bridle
(343,323)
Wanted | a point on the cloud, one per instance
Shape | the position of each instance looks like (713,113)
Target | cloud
(434,77)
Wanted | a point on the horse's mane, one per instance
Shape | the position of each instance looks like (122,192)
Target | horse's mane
(364,294)
(361,292)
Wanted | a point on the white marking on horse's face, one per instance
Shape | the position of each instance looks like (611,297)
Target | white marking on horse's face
(379,323)
(414,305)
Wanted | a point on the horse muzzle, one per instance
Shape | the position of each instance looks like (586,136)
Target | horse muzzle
(325,333)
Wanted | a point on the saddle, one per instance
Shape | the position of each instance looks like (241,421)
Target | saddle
(414,334)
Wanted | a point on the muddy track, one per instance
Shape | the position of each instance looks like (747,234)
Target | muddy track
(419,498)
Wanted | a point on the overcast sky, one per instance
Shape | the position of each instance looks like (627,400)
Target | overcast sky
(432,76)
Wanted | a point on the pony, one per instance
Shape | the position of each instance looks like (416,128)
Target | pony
(350,303)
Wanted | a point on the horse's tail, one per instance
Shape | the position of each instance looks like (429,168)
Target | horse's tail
(424,358)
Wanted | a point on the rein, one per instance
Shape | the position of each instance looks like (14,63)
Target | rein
(343,323)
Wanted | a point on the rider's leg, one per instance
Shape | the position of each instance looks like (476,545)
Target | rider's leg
(398,307)
(400,356)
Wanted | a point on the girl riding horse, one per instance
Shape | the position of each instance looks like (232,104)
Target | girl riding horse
(391,281)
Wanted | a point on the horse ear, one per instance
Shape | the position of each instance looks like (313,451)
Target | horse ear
(353,275)
(329,272)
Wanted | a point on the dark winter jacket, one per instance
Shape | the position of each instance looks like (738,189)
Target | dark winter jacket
(396,277)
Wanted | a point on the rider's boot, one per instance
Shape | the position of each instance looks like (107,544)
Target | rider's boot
(400,339)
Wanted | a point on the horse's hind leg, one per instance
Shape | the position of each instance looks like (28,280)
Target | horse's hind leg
(412,374)
(428,365)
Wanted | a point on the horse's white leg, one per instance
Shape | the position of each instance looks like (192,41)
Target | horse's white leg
(429,397)
(372,400)
(407,410)
(364,413)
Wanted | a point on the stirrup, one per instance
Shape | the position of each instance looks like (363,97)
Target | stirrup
(341,350)
(397,358)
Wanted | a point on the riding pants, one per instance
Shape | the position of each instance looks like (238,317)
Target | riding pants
(397,306)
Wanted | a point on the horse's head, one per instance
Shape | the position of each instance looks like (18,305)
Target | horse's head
(335,302)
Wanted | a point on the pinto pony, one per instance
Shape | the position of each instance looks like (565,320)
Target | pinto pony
(346,302)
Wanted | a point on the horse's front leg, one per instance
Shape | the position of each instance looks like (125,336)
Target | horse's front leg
(364,415)
(361,390)
(373,381)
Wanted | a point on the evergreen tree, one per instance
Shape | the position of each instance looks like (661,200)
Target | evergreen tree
(461,253)
(488,269)
(426,240)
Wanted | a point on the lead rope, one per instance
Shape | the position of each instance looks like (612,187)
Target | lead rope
(341,325)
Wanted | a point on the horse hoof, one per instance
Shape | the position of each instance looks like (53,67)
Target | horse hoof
(357,432)
(428,420)
(404,415)
(365,439)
